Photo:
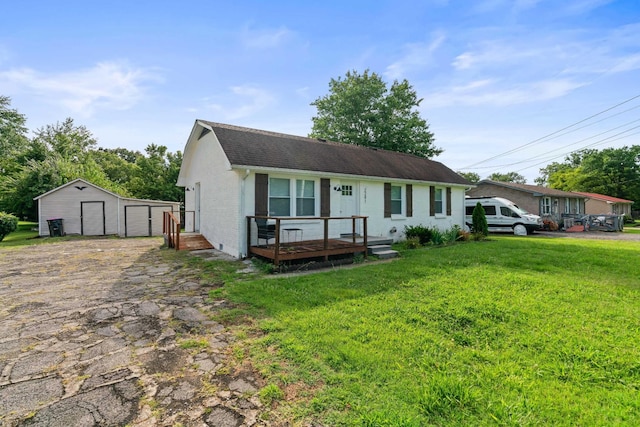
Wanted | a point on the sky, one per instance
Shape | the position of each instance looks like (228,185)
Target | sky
(505,85)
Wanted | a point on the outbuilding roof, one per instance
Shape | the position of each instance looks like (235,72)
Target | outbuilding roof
(246,147)
(535,190)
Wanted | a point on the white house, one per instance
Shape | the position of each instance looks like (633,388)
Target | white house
(89,210)
(231,172)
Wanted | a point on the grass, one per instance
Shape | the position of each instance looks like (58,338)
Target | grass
(512,331)
(24,235)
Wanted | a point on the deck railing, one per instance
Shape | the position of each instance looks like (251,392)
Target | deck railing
(278,253)
(171,230)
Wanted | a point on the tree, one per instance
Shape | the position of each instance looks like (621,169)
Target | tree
(514,177)
(611,171)
(13,139)
(66,139)
(479,225)
(157,175)
(119,164)
(361,110)
(57,154)
(472,177)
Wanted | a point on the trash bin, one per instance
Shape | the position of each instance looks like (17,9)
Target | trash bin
(56,227)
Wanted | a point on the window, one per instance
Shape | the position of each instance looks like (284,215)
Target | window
(546,205)
(490,210)
(305,198)
(282,204)
(279,197)
(396,200)
(347,190)
(577,206)
(438,201)
(567,205)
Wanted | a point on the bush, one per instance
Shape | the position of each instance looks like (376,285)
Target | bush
(423,233)
(479,221)
(411,243)
(8,224)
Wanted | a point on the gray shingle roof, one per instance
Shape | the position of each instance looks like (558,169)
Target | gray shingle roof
(258,148)
(534,189)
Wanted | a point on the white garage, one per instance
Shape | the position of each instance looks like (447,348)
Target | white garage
(80,207)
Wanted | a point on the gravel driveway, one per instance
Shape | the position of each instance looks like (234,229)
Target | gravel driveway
(92,333)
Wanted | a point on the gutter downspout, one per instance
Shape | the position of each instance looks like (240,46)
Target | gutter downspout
(241,229)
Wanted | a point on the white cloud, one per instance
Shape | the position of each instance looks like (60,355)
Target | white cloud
(265,38)
(108,85)
(491,93)
(244,101)
(416,56)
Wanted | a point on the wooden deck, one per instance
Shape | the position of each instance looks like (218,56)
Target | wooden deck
(308,249)
(305,249)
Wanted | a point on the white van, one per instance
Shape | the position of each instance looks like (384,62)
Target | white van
(503,215)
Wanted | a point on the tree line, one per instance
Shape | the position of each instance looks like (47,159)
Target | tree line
(61,152)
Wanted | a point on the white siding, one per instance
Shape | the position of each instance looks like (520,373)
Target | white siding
(68,201)
(220,220)
(65,203)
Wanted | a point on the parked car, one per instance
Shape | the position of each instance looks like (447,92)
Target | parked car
(503,215)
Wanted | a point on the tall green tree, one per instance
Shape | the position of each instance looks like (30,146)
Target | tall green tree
(361,109)
(119,164)
(157,175)
(514,177)
(67,139)
(57,154)
(13,137)
(611,171)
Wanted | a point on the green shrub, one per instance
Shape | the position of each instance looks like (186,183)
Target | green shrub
(420,231)
(437,237)
(8,224)
(479,221)
(451,235)
(411,243)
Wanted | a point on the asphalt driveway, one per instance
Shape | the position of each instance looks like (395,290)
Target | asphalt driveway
(106,332)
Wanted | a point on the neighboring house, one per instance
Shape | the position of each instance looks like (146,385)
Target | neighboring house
(231,172)
(89,210)
(536,199)
(601,204)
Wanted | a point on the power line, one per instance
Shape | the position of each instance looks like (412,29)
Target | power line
(551,134)
(535,158)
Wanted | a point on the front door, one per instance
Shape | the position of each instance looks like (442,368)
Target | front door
(348,206)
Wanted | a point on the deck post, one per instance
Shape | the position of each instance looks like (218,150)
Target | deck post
(326,237)
(276,257)
(353,229)
(248,234)
(364,231)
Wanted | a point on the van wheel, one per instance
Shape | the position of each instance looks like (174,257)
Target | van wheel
(519,230)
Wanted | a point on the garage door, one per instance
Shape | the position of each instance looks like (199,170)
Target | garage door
(92,219)
(136,220)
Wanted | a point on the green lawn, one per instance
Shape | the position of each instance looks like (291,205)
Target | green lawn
(22,236)
(512,331)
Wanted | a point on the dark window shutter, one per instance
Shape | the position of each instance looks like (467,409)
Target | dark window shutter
(448,201)
(262,194)
(409,200)
(432,200)
(387,200)
(325,197)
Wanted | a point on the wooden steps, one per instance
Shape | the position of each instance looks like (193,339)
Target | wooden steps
(194,242)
